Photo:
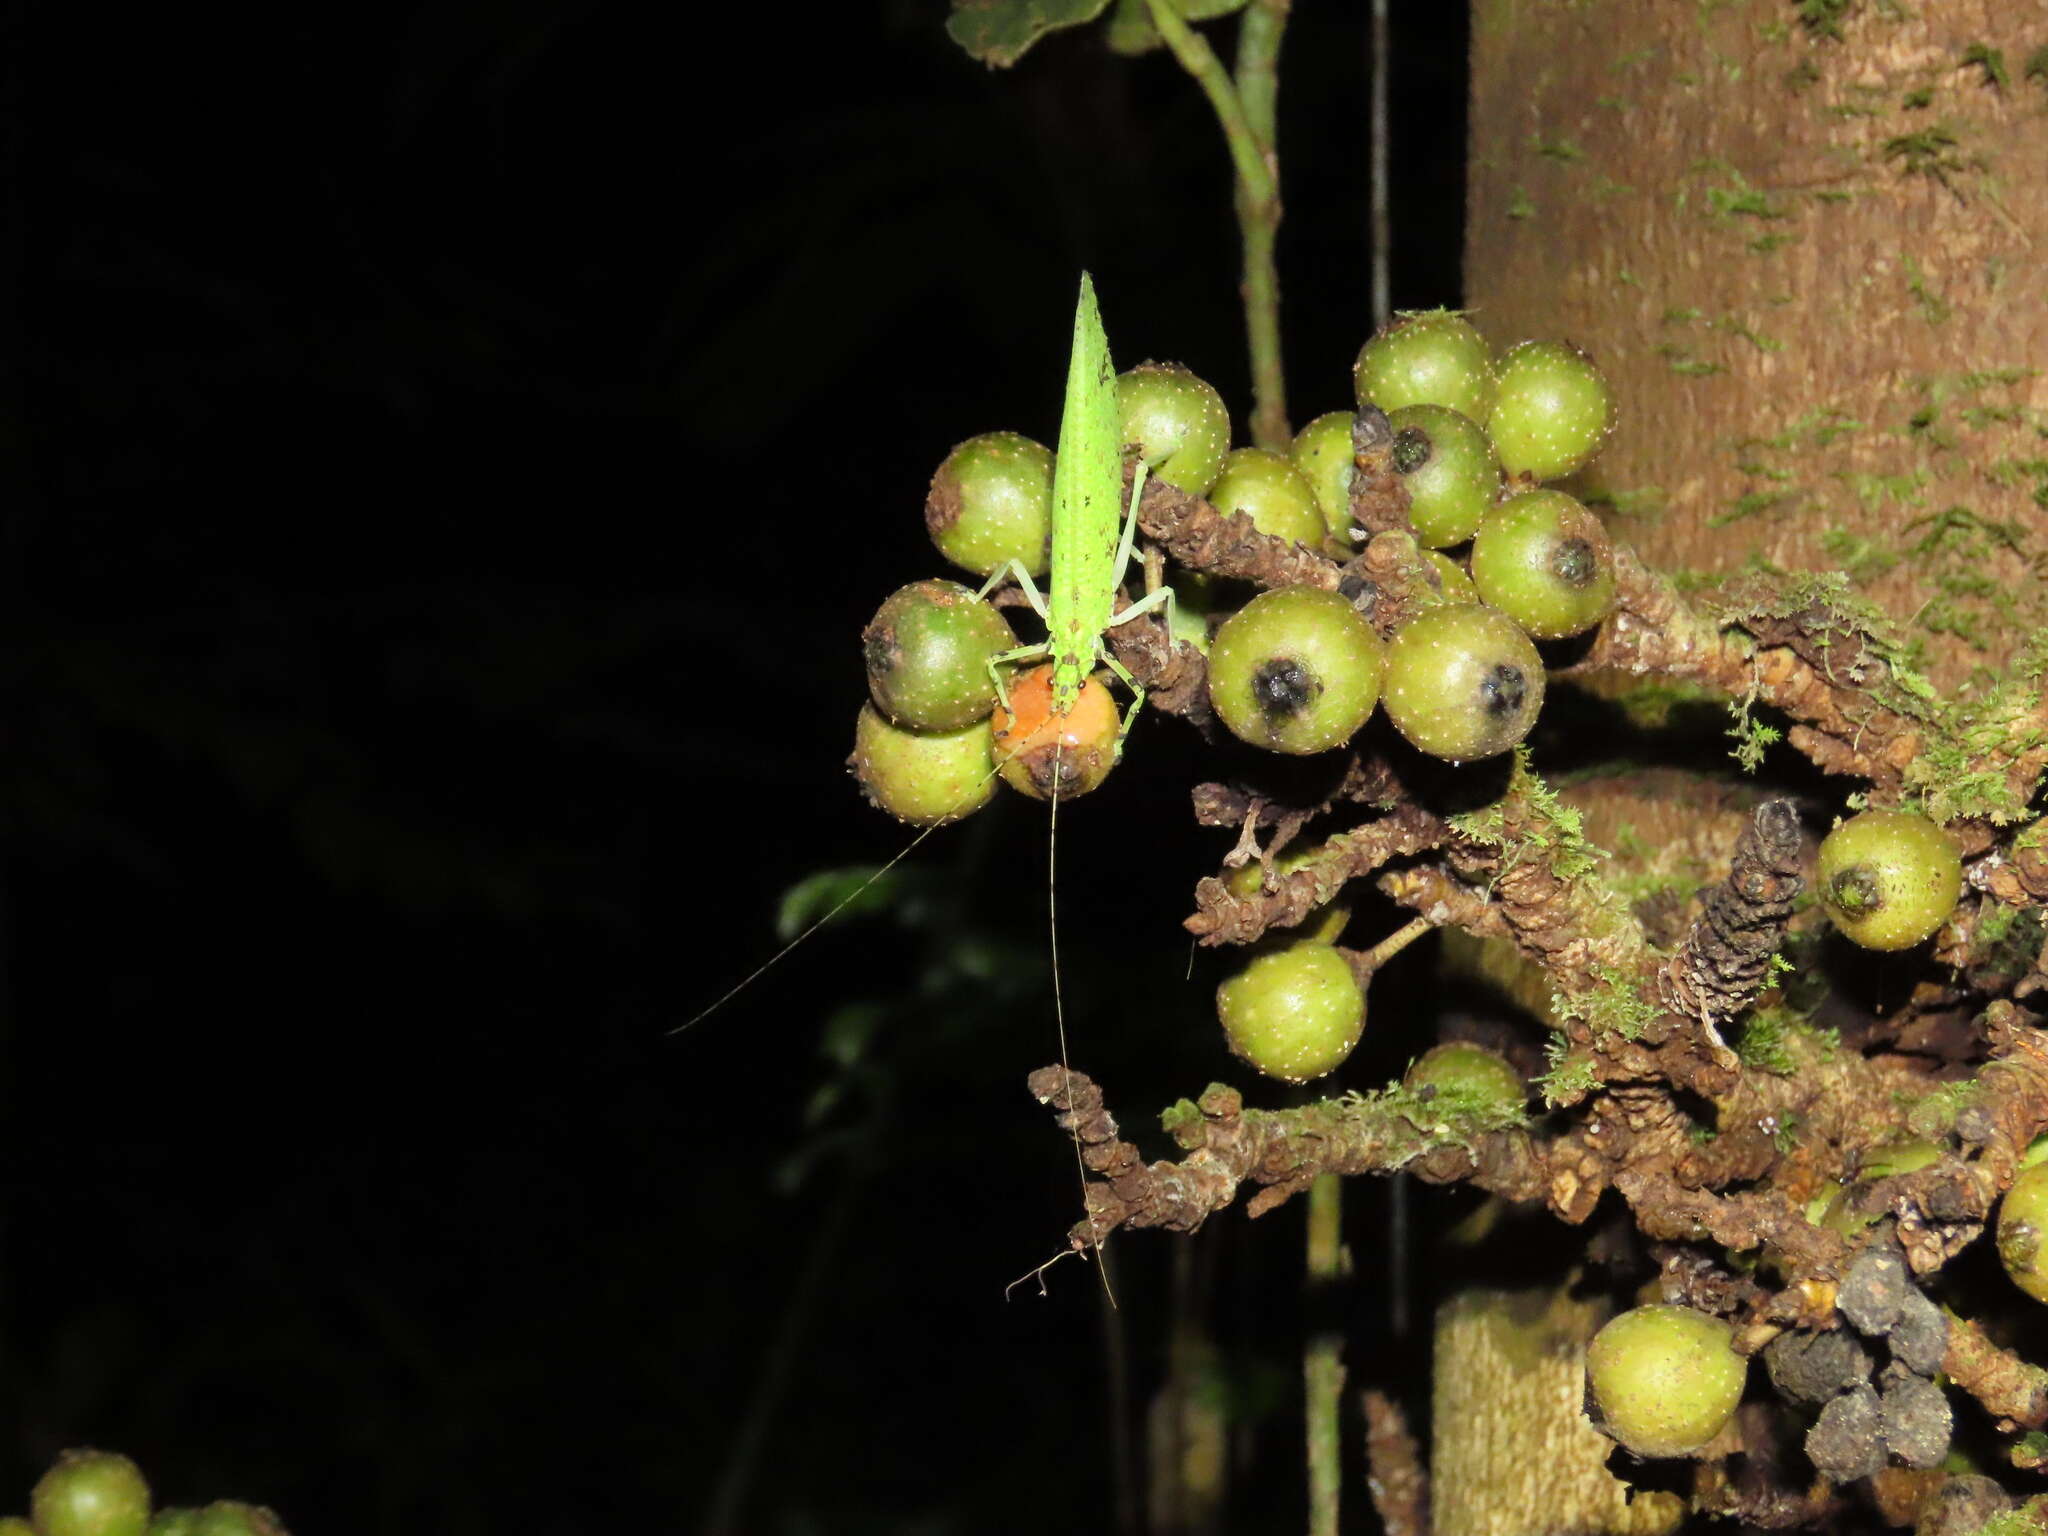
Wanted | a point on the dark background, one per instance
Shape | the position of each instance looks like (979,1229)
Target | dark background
(447,454)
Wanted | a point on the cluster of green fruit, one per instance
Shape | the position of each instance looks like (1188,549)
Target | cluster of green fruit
(1473,437)
(938,730)
(1299,670)
(1296,670)
(102,1493)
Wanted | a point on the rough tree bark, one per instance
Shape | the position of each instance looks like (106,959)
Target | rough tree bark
(1805,242)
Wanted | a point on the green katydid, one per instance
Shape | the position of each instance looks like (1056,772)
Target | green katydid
(1091,548)
(1091,544)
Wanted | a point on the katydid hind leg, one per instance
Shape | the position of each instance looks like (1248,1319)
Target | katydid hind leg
(1130,534)
(1013,569)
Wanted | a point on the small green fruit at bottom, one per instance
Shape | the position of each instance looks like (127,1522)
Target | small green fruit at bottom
(991,501)
(922,777)
(1665,1379)
(1431,358)
(2022,1226)
(1462,681)
(91,1493)
(1268,489)
(14,1525)
(1546,562)
(1448,468)
(927,651)
(1295,670)
(1470,1074)
(1294,1014)
(1889,879)
(1178,423)
(1553,411)
(172,1522)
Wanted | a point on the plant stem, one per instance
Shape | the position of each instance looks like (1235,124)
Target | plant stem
(1395,942)
(1322,1364)
(1245,108)
(1382,162)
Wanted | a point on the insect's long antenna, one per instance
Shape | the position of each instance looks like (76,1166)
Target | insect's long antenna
(1059,1006)
(846,901)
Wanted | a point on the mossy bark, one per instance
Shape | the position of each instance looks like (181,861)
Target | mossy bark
(1805,242)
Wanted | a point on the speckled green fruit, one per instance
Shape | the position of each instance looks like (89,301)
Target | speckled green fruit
(1294,1014)
(991,501)
(231,1517)
(1178,423)
(1545,561)
(91,1493)
(1324,925)
(1322,452)
(1665,1378)
(927,651)
(2022,1228)
(1432,358)
(1267,488)
(1451,578)
(1447,467)
(14,1525)
(1200,602)
(1888,879)
(1553,412)
(1462,681)
(1470,1073)
(1295,670)
(171,1522)
(922,777)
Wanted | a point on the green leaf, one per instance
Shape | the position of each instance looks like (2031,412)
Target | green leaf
(849,1030)
(860,886)
(1130,25)
(998,32)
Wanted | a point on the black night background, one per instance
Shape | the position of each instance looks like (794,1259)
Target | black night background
(449,453)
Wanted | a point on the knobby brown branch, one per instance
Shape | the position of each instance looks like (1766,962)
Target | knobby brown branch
(2008,1387)
(1283,1151)
(1791,663)
(1221,917)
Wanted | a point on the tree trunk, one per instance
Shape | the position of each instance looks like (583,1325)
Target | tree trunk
(1806,243)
